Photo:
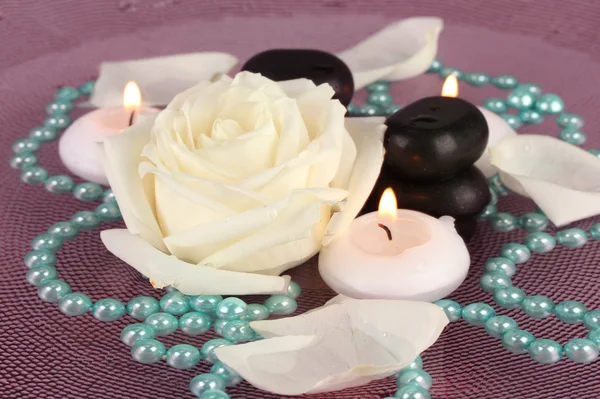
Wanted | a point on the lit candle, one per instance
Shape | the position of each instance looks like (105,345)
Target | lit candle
(77,146)
(396,254)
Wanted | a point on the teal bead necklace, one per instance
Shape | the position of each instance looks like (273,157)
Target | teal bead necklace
(230,317)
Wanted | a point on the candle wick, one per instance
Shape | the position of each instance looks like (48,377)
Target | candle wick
(131,118)
(386,229)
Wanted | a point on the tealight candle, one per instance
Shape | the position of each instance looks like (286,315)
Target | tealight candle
(77,146)
(396,254)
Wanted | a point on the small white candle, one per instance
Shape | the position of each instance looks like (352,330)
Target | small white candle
(424,260)
(77,146)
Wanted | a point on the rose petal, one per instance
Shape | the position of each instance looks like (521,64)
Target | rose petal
(367,134)
(499,129)
(293,136)
(295,87)
(563,180)
(337,346)
(120,155)
(164,270)
(401,50)
(160,78)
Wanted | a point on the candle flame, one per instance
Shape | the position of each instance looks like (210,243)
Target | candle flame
(450,87)
(132,98)
(388,206)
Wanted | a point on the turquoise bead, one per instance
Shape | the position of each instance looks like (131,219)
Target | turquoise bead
(75,304)
(353,109)
(208,349)
(47,241)
(40,274)
(229,376)
(57,121)
(183,356)
(88,191)
(550,104)
(23,160)
(378,87)
(231,308)
(509,297)
(40,257)
(477,313)
(581,350)
(412,392)
(513,120)
(538,306)
(522,98)
(594,336)
(452,309)
(141,307)
(545,351)
(238,331)
(505,82)
(570,120)
(214,394)
(517,341)
(540,242)
(477,79)
(447,71)
(86,220)
(255,312)
(164,323)
(294,289)
(595,231)
(44,134)
(34,175)
(59,106)
(498,325)
(67,93)
(495,184)
(60,184)
(573,136)
(503,222)
(572,238)
(65,230)
(109,212)
(53,290)
(175,303)
(494,197)
(499,264)
(415,365)
(380,99)
(436,67)
(369,110)
(281,305)
(490,282)
(518,253)
(87,88)
(204,382)
(591,319)
(415,377)
(570,312)
(392,109)
(26,145)
(148,351)
(595,152)
(205,303)
(531,117)
(219,324)
(489,211)
(533,222)
(108,196)
(135,332)
(494,104)
(195,323)
(108,309)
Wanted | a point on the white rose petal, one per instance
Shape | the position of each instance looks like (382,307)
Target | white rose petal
(563,180)
(337,346)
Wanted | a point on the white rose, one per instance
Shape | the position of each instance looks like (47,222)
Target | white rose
(237,181)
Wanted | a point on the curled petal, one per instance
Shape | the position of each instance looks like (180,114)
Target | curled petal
(190,279)
(499,129)
(563,180)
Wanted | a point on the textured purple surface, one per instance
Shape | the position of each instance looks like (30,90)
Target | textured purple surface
(43,45)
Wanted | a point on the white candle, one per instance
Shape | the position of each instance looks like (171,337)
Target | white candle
(424,260)
(77,146)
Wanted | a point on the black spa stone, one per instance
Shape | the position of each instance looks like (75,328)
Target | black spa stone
(318,66)
(434,138)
